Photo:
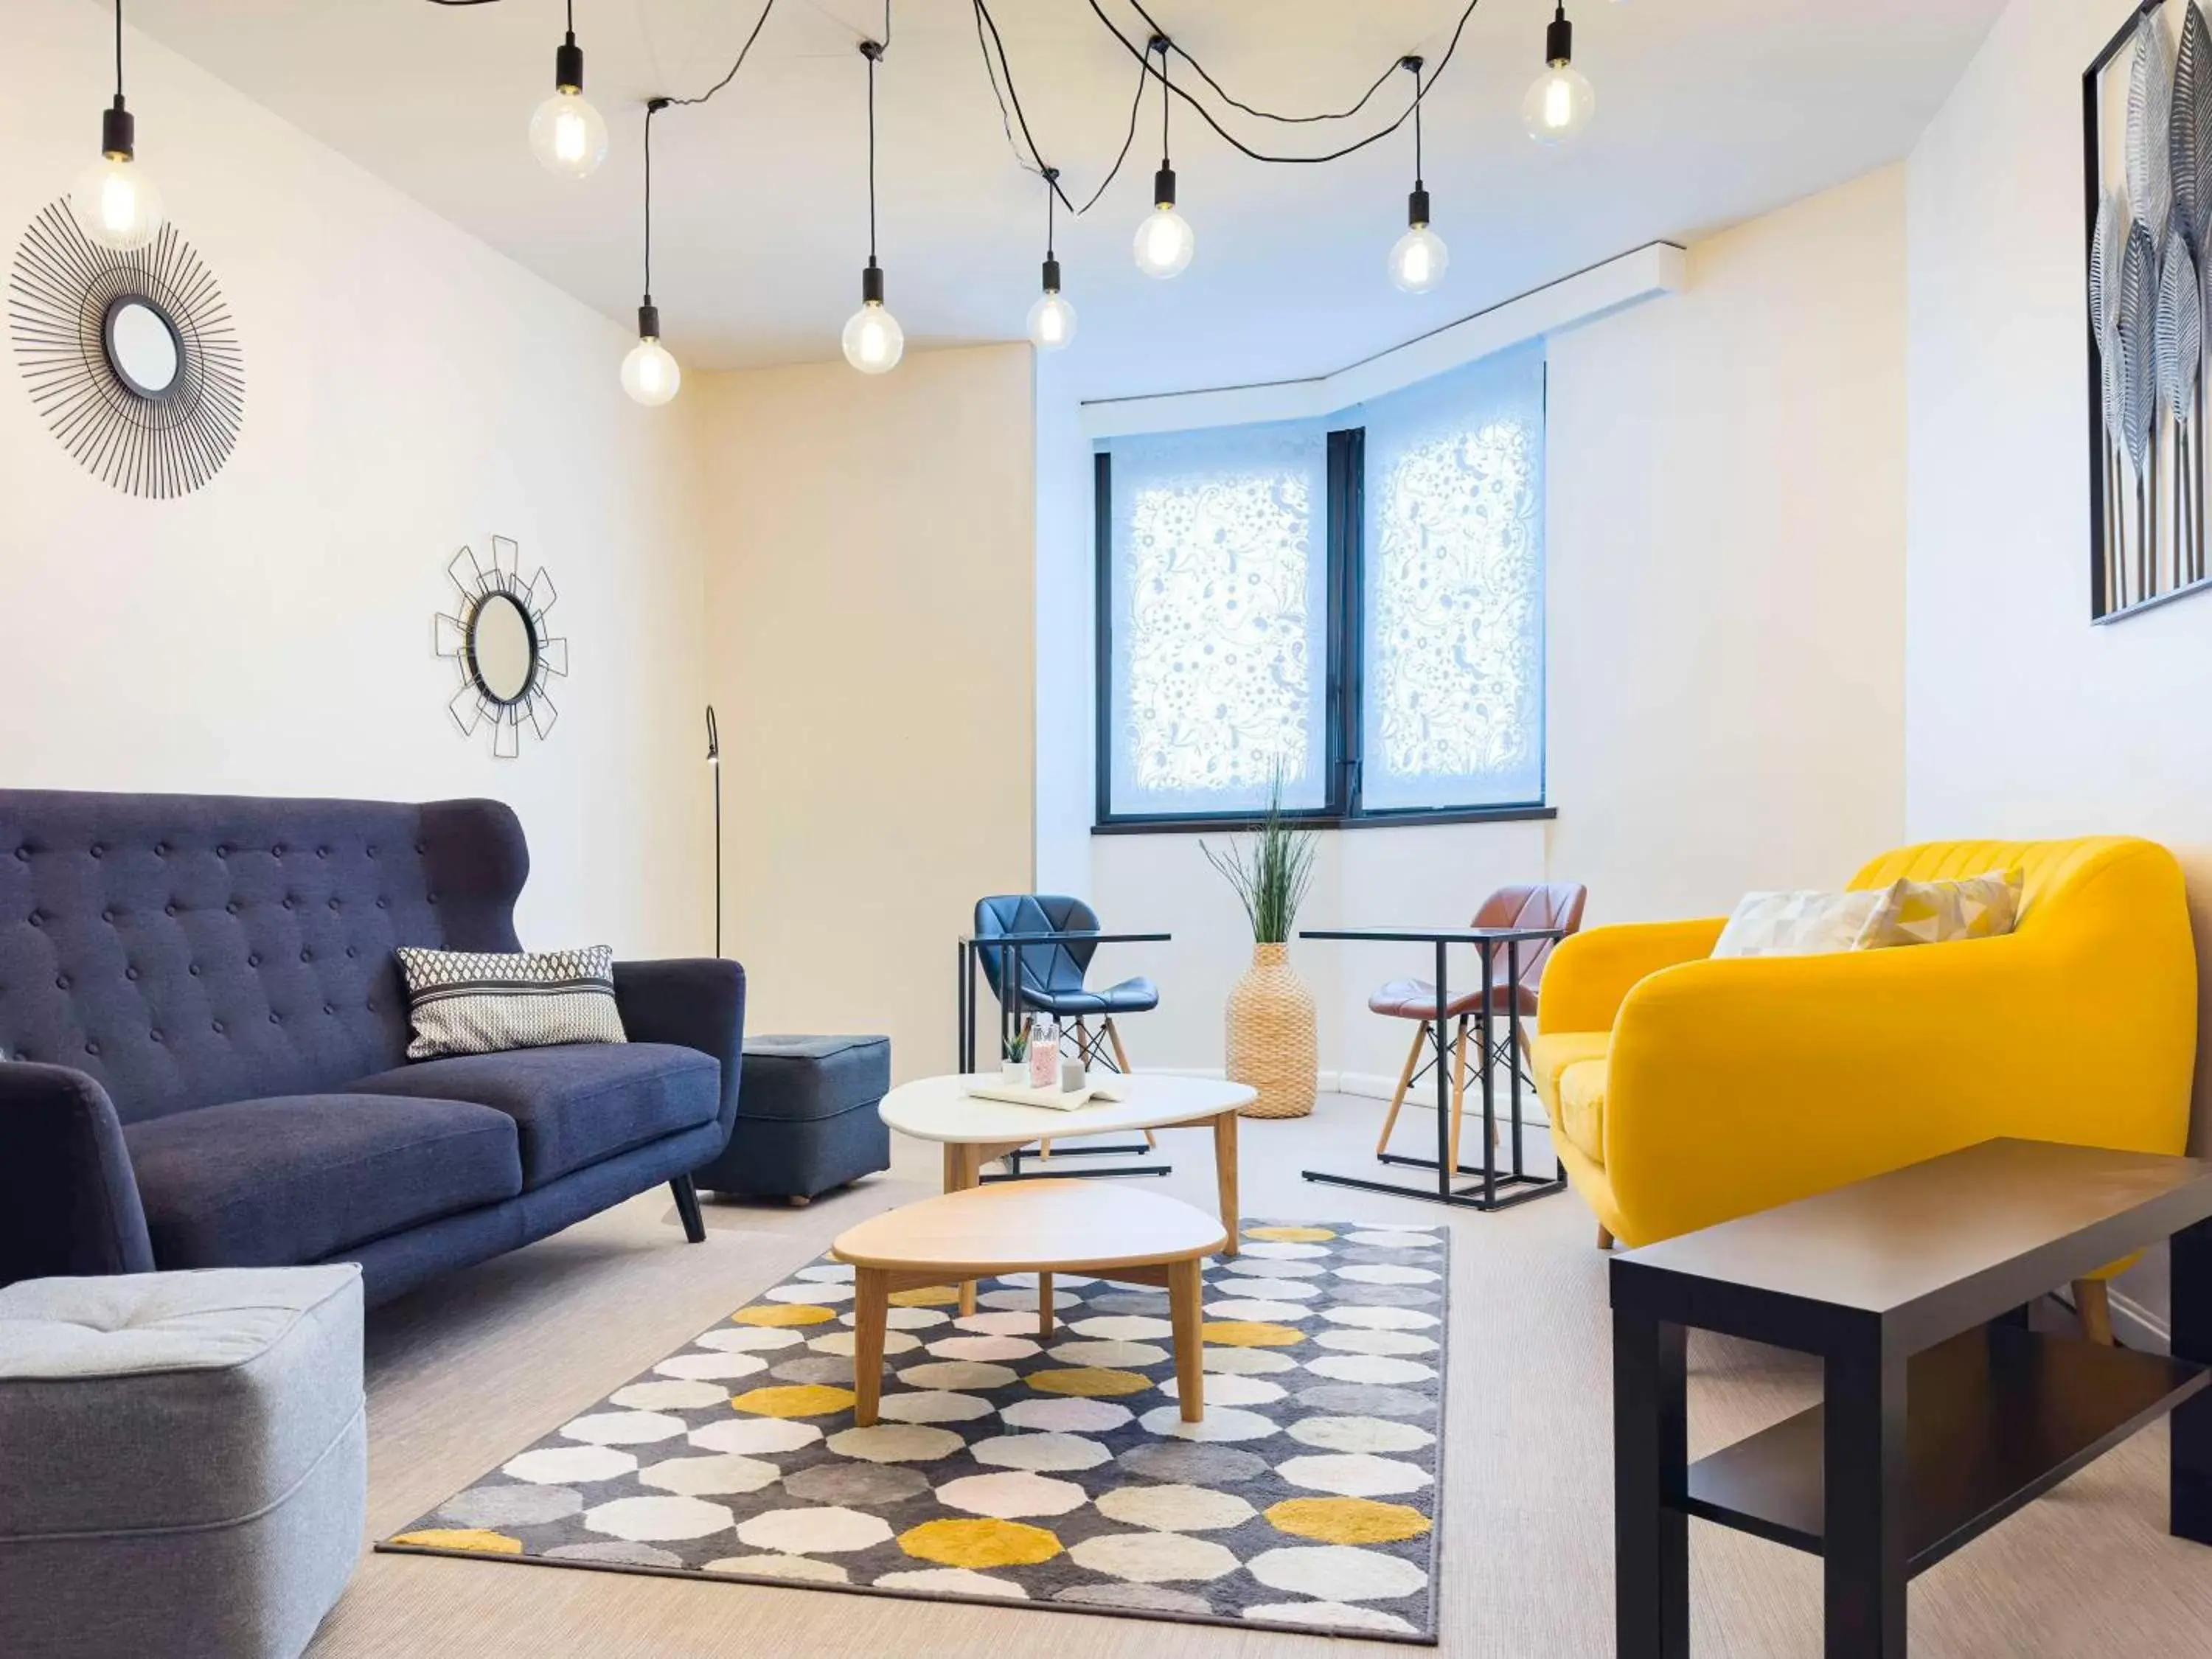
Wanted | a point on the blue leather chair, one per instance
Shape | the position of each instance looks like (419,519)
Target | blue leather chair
(1052,975)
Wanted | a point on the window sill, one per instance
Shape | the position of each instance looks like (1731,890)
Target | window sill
(1415,820)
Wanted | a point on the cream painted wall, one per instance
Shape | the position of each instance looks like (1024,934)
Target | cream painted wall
(1726,578)
(408,391)
(871,575)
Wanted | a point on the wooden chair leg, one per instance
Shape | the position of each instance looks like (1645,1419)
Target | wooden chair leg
(871,1302)
(1458,1089)
(1121,1055)
(1405,1082)
(2093,1301)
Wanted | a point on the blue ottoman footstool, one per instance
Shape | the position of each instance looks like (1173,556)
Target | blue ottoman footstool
(806,1117)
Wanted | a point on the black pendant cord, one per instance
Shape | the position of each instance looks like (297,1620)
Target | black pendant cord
(653,107)
(1163,45)
(1236,103)
(118,54)
(1051,194)
(873,49)
(1413,66)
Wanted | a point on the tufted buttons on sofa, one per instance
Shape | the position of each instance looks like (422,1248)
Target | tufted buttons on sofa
(98,851)
(169,910)
(131,973)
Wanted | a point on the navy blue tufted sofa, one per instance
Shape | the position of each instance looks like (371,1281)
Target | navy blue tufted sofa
(204,1037)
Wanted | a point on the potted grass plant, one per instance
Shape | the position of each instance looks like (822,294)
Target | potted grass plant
(1270,1017)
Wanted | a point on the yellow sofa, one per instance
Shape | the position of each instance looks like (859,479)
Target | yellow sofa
(1684,1092)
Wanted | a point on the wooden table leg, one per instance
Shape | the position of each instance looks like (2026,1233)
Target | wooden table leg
(964,1168)
(872,1302)
(1225,1177)
(1186,1285)
(1044,1307)
(1650,1465)
(2190,1254)
(1864,1551)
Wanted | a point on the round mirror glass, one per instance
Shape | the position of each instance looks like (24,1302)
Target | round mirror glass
(143,348)
(502,647)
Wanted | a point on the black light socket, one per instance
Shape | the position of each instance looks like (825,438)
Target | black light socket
(568,66)
(872,284)
(1417,207)
(648,320)
(119,131)
(1163,188)
(1559,40)
(1052,276)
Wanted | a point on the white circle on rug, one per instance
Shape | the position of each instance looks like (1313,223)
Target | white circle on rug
(895,1442)
(827,1531)
(672,1396)
(834,1273)
(1174,1508)
(623,1428)
(816,1294)
(1388,1272)
(1117,1355)
(1374,1240)
(1328,1615)
(908,1319)
(1355,1341)
(803,1568)
(1274,1266)
(1154,1557)
(755,1434)
(1380,1319)
(658,1520)
(1028,1281)
(1012,1497)
(751,1339)
(953,1581)
(1268,1313)
(1026,1299)
(1279,1289)
(1274,1250)
(1360,1434)
(558,1466)
(1354,1474)
(1219,1422)
(840,1343)
(983,1347)
(1370,1368)
(1122,1328)
(997,1324)
(1223,1390)
(712,1367)
(1245,1361)
(932,1406)
(1073,1415)
(1338,1572)
(959,1374)
(709,1476)
(1035,1451)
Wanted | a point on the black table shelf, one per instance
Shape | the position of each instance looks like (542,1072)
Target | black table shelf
(1996,1416)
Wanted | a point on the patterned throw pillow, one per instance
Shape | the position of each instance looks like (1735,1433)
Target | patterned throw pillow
(1940,912)
(1802,924)
(470,1002)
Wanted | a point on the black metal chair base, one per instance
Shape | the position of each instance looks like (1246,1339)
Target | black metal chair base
(1463,1198)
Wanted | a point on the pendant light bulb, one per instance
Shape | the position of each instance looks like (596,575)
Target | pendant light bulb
(1164,241)
(1560,103)
(1052,318)
(650,373)
(1419,257)
(873,340)
(114,202)
(569,135)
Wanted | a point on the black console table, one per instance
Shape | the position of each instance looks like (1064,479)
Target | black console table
(1943,1412)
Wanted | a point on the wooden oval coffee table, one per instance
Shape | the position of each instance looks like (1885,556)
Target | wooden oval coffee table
(1024,1226)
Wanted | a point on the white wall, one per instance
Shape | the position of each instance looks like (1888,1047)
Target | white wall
(1725,582)
(407,390)
(873,628)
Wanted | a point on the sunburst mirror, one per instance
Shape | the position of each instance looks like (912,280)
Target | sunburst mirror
(502,647)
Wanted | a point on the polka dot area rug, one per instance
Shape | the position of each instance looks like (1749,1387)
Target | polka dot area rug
(1054,1471)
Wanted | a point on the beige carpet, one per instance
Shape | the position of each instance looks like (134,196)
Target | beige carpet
(463,1372)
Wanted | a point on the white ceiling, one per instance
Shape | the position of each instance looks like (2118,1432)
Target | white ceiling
(1708,112)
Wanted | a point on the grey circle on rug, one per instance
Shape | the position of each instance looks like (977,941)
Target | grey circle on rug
(1151,1598)
(1186,1463)
(615,1554)
(1122,1301)
(1354,1295)
(855,1485)
(1257,1267)
(833,1371)
(1366,1399)
(511,1506)
(1374,1257)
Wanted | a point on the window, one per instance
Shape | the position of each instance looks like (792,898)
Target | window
(1357,602)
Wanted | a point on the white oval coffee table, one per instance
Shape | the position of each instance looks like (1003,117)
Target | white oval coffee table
(974,1131)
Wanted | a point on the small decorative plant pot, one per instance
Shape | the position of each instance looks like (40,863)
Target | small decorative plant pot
(1014,1073)
(1272,1044)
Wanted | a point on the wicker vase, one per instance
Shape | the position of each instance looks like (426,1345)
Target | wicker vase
(1271,1036)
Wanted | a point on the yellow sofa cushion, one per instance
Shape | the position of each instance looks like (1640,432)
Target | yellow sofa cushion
(1552,1052)
(1580,1116)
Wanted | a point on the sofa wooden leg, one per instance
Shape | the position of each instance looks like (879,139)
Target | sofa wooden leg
(687,1206)
(1604,1237)
(801,1200)
(2093,1301)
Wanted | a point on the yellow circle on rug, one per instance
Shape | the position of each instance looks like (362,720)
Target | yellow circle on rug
(1290,1235)
(799,1399)
(1250,1334)
(930,1296)
(1088,1380)
(479,1539)
(783,1312)
(1347,1520)
(980,1543)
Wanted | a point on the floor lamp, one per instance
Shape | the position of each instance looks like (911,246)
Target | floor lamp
(714,765)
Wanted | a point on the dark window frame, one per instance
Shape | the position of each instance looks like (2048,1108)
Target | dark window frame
(1345,637)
